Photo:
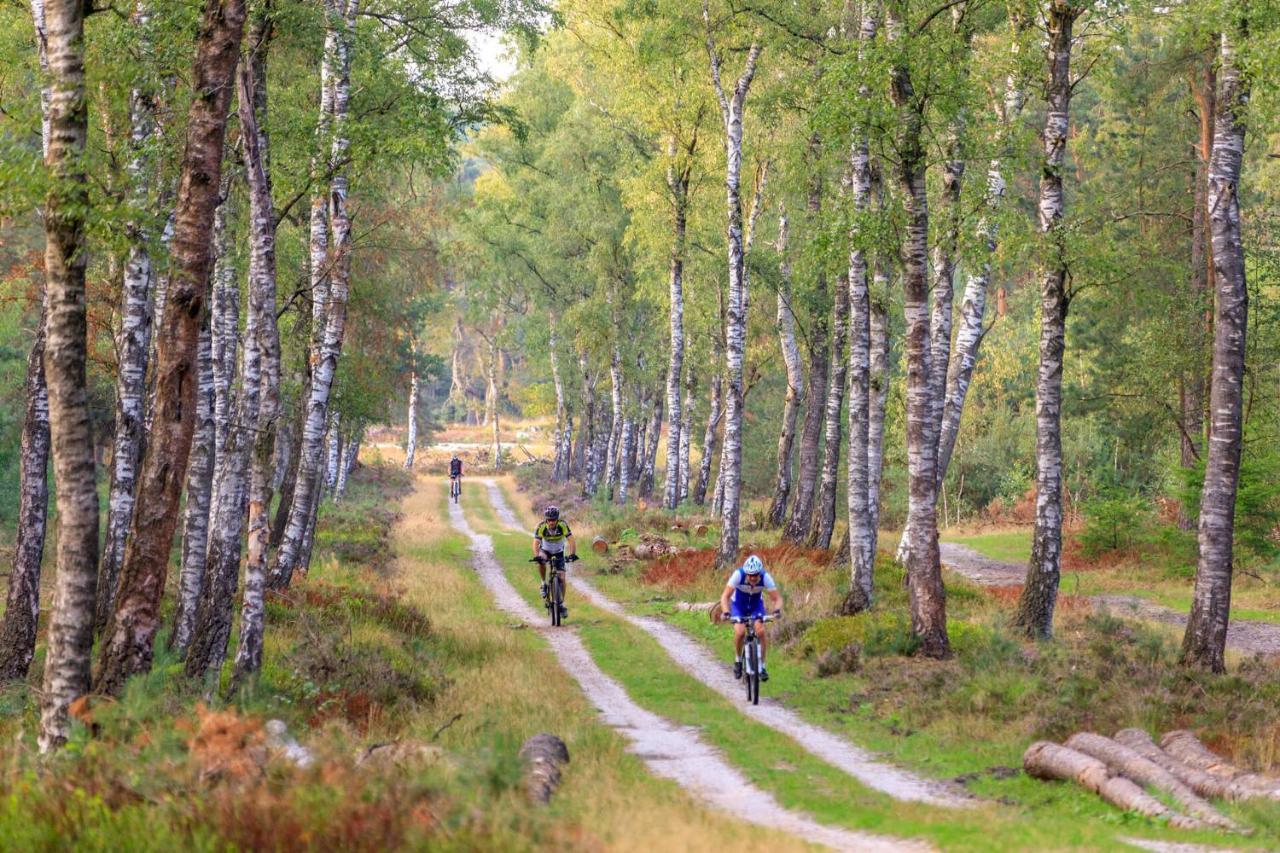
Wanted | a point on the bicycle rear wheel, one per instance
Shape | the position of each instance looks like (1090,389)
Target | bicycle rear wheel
(557,597)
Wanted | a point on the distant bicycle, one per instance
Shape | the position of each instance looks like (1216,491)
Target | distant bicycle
(751,653)
(555,585)
(455,488)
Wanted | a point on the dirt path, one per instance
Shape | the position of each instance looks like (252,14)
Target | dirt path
(698,662)
(670,751)
(1242,635)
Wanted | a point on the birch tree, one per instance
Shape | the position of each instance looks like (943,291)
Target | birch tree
(1205,640)
(1040,592)
(127,646)
(70,639)
(795,375)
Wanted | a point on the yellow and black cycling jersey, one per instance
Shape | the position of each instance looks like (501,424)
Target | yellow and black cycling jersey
(552,531)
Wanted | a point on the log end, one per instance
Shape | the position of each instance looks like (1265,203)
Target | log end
(543,756)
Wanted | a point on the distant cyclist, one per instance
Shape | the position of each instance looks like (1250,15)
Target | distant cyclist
(455,468)
(552,537)
(743,597)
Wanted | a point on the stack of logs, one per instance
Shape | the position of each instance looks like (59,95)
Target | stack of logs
(1121,769)
(650,546)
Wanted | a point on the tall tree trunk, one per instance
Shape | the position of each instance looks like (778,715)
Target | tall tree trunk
(1204,644)
(626,449)
(678,183)
(212,632)
(563,438)
(815,396)
(350,447)
(1040,592)
(649,463)
(289,483)
(70,642)
(224,319)
(795,377)
(492,416)
(22,606)
(334,281)
(133,345)
(615,430)
(411,415)
(879,396)
(973,304)
(924,572)
(127,648)
(861,534)
(332,450)
(709,438)
(824,518)
(195,527)
(686,433)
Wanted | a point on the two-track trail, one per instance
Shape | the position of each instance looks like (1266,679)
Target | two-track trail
(690,656)
(670,751)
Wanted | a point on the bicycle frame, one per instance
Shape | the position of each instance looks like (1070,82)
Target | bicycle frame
(751,654)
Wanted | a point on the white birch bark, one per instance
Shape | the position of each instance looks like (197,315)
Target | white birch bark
(333,450)
(678,184)
(795,376)
(562,442)
(924,573)
(1204,643)
(732,107)
(686,435)
(195,526)
(132,342)
(224,324)
(1040,592)
(824,516)
(262,287)
(879,394)
(333,280)
(615,430)
(649,458)
(411,417)
(70,638)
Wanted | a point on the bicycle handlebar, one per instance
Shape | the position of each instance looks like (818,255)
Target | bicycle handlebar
(768,617)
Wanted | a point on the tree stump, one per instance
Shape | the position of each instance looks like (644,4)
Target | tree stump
(543,756)
(599,545)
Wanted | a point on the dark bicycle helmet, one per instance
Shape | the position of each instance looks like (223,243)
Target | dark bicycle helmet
(552,513)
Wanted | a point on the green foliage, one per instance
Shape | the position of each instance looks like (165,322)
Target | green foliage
(1115,521)
(1257,515)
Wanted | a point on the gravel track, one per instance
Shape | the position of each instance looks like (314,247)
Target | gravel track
(670,751)
(694,659)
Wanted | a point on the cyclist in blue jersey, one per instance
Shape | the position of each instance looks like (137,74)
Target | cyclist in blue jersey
(744,596)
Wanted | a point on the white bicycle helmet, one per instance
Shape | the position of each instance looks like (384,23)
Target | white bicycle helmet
(753,566)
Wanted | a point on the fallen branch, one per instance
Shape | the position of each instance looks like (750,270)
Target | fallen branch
(1204,784)
(1045,760)
(1128,762)
(1186,747)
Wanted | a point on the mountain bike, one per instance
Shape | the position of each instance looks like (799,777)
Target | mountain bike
(555,584)
(455,488)
(751,653)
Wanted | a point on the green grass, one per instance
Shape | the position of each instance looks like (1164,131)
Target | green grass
(1007,546)
(1048,815)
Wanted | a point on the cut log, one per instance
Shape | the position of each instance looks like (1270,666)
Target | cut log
(543,756)
(1128,762)
(1204,784)
(599,545)
(1044,760)
(701,530)
(642,551)
(1186,747)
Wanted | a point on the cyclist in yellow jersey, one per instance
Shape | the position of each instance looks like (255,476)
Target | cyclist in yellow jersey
(553,536)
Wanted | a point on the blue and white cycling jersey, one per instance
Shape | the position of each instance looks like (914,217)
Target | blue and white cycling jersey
(748,598)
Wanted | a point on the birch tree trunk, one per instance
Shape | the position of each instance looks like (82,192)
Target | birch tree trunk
(1040,592)
(70,640)
(1204,644)
(133,345)
(411,416)
(686,434)
(709,437)
(492,416)
(350,450)
(861,533)
(331,281)
(678,183)
(615,430)
(332,450)
(879,396)
(22,606)
(224,320)
(195,528)
(924,572)
(127,646)
(262,287)
(731,109)
(212,632)
(653,436)
(626,449)
(815,398)
(824,518)
(562,441)
(289,483)
(795,376)
(973,304)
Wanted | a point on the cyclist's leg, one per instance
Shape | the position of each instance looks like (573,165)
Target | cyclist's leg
(739,637)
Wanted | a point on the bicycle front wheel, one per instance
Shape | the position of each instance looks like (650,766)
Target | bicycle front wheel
(753,672)
(557,597)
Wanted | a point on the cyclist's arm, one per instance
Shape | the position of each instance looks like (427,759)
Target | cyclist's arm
(537,546)
(775,598)
(571,546)
(727,594)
